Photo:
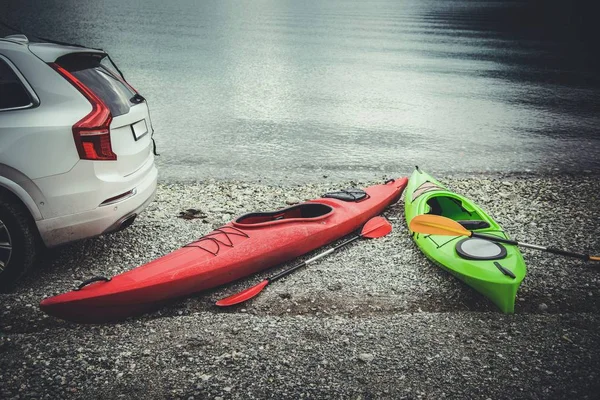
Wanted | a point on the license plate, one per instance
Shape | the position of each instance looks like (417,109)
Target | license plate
(139,129)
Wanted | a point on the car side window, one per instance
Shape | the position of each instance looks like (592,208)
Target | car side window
(12,92)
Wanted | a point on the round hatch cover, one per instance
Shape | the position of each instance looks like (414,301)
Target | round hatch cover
(480,249)
(347,194)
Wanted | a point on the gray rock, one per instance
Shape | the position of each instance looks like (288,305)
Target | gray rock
(366,357)
(292,200)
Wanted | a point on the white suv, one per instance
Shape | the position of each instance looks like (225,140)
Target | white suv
(76,152)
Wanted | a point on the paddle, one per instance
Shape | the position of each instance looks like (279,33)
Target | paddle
(438,225)
(374,228)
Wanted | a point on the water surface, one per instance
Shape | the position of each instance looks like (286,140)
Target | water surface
(298,90)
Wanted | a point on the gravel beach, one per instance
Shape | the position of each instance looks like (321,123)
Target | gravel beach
(375,320)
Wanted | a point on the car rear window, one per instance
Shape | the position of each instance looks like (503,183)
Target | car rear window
(12,92)
(92,72)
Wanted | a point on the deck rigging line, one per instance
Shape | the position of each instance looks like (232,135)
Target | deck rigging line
(222,231)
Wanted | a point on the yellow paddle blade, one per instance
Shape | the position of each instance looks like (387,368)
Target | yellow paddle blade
(437,225)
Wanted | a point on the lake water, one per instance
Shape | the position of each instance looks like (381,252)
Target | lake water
(298,90)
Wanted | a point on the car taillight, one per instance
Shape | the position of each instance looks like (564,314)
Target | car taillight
(92,132)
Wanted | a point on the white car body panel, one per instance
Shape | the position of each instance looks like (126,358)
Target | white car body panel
(39,162)
(98,220)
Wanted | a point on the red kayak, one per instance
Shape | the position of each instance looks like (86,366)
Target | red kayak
(249,244)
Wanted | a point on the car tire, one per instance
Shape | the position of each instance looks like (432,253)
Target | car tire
(18,241)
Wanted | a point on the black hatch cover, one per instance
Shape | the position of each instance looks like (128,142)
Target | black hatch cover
(347,194)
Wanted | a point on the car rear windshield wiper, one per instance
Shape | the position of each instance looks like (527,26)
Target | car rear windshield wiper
(137,99)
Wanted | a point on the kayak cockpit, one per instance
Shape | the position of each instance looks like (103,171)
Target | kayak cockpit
(457,210)
(299,213)
(453,208)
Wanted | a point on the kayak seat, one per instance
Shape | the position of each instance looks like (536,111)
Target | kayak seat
(301,211)
(451,207)
(473,224)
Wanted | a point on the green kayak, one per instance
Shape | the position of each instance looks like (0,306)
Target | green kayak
(493,269)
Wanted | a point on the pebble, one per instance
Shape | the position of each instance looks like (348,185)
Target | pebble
(374,299)
(292,200)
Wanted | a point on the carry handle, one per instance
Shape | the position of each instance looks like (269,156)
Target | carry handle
(92,280)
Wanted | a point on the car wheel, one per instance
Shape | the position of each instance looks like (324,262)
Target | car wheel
(18,241)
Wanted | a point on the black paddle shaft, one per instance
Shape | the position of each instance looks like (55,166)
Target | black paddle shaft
(553,250)
(494,238)
(315,258)
(584,257)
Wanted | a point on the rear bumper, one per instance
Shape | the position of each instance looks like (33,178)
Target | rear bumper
(102,219)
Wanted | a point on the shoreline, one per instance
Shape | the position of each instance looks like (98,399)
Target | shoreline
(375,320)
(182,174)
